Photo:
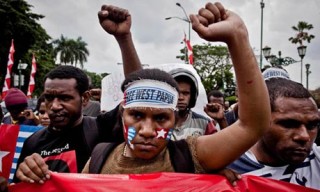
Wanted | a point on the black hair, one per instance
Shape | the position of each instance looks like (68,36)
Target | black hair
(70,72)
(41,99)
(280,87)
(152,74)
(215,93)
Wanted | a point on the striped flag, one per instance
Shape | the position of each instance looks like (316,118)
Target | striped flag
(189,49)
(33,73)
(12,138)
(7,82)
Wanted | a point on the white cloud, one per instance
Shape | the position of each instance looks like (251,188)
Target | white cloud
(158,41)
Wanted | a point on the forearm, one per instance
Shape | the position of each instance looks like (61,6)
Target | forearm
(254,107)
(130,59)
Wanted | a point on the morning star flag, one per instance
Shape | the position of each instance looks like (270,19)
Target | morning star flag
(11,142)
(178,182)
(189,49)
(7,81)
(33,73)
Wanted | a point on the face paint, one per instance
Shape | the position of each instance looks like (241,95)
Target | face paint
(164,133)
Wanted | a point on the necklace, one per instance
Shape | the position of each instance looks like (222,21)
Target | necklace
(125,150)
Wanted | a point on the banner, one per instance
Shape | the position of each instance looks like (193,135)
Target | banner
(11,142)
(156,182)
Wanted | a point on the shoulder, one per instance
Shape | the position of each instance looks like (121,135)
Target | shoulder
(195,115)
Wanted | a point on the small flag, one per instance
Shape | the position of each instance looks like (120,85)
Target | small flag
(7,81)
(12,138)
(189,49)
(32,75)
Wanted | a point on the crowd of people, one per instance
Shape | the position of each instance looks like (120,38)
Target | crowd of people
(154,128)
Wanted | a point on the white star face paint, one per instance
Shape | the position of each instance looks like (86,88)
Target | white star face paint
(163,133)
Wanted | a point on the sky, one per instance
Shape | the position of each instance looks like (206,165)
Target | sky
(158,41)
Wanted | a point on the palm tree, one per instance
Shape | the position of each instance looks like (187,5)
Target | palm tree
(302,35)
(70,50)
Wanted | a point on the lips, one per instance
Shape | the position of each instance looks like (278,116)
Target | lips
(145,146)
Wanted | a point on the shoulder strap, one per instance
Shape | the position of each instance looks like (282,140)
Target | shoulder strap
(91,132)
(180,156)
(99,156)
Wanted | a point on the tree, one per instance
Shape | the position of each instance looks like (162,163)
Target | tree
(302,35)
(19,23)
(213,66)
(70,50)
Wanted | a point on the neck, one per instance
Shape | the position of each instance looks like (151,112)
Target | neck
(265,156)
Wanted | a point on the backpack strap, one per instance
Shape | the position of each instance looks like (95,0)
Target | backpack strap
(180,156)
(99,156)
(91,132)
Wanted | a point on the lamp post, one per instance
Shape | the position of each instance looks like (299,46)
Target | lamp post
(261,37)
(186,19)
(276,61)
(307,75)
(21,66)
(302,52)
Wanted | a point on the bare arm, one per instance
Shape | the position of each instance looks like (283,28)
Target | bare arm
(117,22)
(214,23)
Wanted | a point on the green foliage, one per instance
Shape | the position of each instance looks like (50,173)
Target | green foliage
(95,79)
(71,51)
(213,66)
(18,23)
(302,35)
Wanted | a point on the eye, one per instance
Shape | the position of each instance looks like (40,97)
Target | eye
(42,112)
(161,118)
(289,124)
(313,125)
(48,97)
(136,115)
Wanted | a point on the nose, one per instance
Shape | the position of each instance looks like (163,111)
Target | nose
(180,96)
(302,135)
(56,104)
(147,129)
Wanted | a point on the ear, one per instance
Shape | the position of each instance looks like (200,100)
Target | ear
(85,98)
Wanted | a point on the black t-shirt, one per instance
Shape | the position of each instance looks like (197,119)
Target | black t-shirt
(64,151)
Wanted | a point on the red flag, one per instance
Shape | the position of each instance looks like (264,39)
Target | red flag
(7,81)
(31,81)
(189,49)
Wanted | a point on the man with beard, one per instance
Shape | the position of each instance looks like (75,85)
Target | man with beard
(287,150)
(66,144)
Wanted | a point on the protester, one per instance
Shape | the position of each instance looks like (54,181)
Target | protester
(66,144)
(216,105)
(188,122)
(287,150)
(17,105)
(43,116)
(148,122)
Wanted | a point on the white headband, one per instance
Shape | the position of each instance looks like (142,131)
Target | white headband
(275,73)
(150,93)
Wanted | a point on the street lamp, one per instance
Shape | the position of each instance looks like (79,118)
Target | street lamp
(21,66)
(276,61)
(261,37)
(307,75)
(186,19)
(302,52)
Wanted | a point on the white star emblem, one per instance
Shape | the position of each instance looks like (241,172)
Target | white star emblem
(2,154)
(161,133)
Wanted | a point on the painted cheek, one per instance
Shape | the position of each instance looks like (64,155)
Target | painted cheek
(129,134)
(162,133)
